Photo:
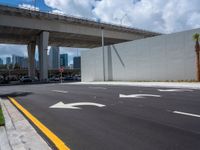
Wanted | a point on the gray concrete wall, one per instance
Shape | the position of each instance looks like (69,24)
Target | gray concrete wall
(92,65)
(160,58)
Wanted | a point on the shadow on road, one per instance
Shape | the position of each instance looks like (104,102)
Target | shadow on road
(15,94)
(32,83)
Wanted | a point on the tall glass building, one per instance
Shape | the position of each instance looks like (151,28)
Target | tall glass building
(1,61)
(77,62)
(64,60)
(54,57)
(8,60)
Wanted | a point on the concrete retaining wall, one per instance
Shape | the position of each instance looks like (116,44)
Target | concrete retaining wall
(160,58)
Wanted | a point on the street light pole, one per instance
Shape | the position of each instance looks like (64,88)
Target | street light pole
(102,40)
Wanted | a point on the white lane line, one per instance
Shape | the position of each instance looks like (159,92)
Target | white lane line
(137,95)
(175,90)
(102,88)
(59,91)
(187,114)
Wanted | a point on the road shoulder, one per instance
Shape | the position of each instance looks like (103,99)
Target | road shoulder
(19,132)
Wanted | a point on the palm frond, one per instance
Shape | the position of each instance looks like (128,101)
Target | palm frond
(196,36)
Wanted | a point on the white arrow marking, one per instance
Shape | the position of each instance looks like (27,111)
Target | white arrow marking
(187,114)
(59,91)
(74,105)
(175,90)
(137,95)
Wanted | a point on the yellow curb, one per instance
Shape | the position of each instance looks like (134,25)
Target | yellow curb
(52,137)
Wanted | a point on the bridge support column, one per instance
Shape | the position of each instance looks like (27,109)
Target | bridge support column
(31,59)
(43,47)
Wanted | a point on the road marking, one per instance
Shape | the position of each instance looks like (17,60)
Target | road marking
(74,105)
(102,88)
(175,90)
(59,91)
(187,114)
(52,137)
(137,95)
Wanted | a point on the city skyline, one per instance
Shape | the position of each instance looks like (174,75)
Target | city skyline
(20,50)
(22,61)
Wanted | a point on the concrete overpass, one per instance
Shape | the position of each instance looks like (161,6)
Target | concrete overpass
(22,26)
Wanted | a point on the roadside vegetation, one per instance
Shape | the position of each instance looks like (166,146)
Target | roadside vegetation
(196,37)
(2,122)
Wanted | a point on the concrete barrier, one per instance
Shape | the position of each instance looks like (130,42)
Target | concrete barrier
(161,58)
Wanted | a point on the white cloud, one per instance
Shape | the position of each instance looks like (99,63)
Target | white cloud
(162,16)
(73,7)
(58,12)
(194,20)
(8,50)
(157,15)
(28,6)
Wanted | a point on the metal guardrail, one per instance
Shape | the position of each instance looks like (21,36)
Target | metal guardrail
(79,18)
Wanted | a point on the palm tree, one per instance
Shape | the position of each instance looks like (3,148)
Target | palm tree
(196,37)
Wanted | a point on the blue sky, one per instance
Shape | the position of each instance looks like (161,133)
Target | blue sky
(39,3)
(165,16)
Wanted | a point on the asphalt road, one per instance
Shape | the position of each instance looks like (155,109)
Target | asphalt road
(163,120)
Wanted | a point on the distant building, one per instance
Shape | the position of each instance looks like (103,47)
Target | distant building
(70,66)
(1,61)
(19,60)
(36,64)
(16,60)
(8,60)
(24,63)
(77,62)
(64,60)
(54,58)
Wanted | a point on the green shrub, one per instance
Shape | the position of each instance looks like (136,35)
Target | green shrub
(2,122)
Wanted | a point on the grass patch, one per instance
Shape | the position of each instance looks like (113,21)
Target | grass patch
(2,121)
